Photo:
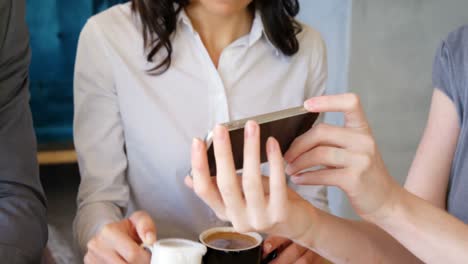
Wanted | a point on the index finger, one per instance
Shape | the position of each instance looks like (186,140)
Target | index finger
(349,104)
(227,179)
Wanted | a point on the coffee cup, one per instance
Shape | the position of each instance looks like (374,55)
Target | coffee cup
(226,246)
(176,251)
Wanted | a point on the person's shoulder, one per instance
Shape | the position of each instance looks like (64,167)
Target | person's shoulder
(450,64)
(111,19)
(311,41)
(112,25)
(311,44)
(457,42)
(309,36)
(116,13)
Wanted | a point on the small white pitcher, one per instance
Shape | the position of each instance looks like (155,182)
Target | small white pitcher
(176,251)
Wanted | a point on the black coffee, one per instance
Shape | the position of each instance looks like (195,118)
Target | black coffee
(230,240)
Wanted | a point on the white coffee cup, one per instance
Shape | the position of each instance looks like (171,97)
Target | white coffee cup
(176,251)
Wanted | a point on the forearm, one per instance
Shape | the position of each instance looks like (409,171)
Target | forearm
(91,218)
(345,241)
(23,224)
(429,232)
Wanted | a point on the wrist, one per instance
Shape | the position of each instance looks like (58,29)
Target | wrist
(394,200)
(311,235)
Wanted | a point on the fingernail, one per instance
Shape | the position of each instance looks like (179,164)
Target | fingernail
(196,145)
(150,238)
(310,105)
(250,129)
(271,145)
(267,247)
(220,132)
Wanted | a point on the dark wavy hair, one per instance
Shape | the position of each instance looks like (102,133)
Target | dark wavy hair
(159,21)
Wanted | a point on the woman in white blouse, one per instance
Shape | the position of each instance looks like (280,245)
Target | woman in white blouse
(150,76)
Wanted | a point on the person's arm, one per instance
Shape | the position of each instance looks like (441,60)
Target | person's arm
(22,200)
(354,164)
(98,136)
(429,174)
(427,179)
(103,234)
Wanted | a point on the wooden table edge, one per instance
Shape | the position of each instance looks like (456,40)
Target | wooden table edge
(55,157)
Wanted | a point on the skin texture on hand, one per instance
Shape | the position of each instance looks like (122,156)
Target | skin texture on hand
(120,242)
(350,160)
(243,200)
(348,155)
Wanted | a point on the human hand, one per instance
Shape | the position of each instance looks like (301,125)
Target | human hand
(119,242)
(349,157)
(289,252)
(243,200)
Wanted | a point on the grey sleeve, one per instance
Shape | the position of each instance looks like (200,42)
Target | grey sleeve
(450,67)
(23,219)
(441,71)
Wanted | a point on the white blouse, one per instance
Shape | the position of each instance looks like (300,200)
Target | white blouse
(133,130)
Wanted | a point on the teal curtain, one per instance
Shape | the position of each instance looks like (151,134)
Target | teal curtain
(54,27)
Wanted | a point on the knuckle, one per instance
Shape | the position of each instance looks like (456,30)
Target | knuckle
(132,255)
(354,100)
(280,218)
(91,245)
(248,185)
(324,152)
(369,143)
(239,225)
(363,163)
(201,190)
(366,161)
(227,191)
(107,230)
(298,140)
(221,216)
(139,215)
(259,225)
(321,129)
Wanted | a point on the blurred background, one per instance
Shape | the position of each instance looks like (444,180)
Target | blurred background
(380,49)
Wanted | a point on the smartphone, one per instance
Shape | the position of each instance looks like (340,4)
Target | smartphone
(284,126)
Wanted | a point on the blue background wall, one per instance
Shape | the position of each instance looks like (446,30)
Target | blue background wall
(54,27)
(332,19)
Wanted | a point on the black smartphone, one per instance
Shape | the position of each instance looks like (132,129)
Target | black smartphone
(284,126)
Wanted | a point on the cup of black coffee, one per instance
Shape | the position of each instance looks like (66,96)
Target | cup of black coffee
(226,246)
